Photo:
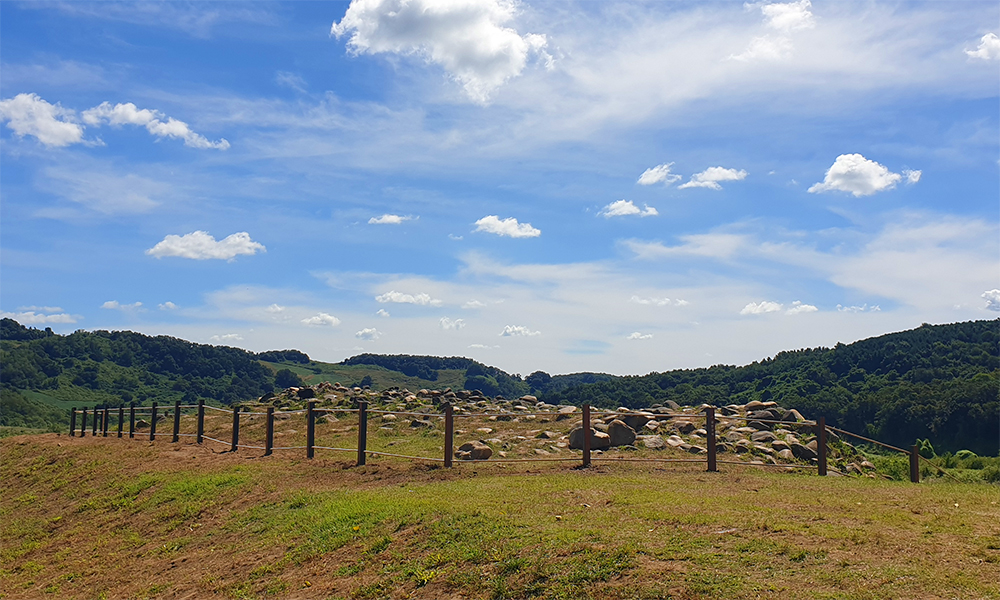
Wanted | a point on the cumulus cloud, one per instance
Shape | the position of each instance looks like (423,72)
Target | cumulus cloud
(115,305)
(321,320)
(859,309)
(992,298)
(32,318)
(369,334)
(654,175)
(760,308)
(401,298)
(167,306)
(155,122)
(383,313)
(518,330)
(989,48)
(199,245)
(710,178)
(465,37)
(226,337)
(635,335)
(622,208)
(448,325)
(50,124)
(912,176)
(856,174)
(388,219)
(658,301)
(798,307)
(784,18)
(509,227)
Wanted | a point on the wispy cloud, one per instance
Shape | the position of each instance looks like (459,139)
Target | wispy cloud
(657,174)
(518,331)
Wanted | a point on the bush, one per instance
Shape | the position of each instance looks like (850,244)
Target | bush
(965,454)
(991,474)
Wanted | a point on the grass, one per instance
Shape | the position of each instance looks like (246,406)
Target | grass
(130,519)
(315,372)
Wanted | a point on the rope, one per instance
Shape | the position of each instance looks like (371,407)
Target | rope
(218,409)
(665,460)
(405,456)
(205,437)
(339,449)
(940,470)
(288,447)
(517,460)
(861,437)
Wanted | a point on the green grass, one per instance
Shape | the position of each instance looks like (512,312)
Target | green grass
(315,372)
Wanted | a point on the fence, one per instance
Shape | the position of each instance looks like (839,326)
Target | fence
(100,419)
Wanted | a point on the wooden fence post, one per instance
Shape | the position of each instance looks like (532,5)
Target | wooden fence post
(131,420)
(236,428)
(201,419)
(449,435)
(310,428)
(152,424)
(72,421)
(269,435)
(362,431)
(177,422)
(121,419)
(914,465)
(96,423)
(586,435)
(83,422)
(104,424)
(710,438)
(821,445)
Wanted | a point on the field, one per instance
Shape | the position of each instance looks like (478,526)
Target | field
(314,372)
(109,518)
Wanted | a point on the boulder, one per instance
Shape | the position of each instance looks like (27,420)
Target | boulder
(638,421)
(389,418)
(673,405)
(529,398)
(474,451)
(793,416)
(686,427)
(653,442)
(780,445)
(620,433)
(418,423)
(763,437)
(733,436)
(675,441)
(786,454)
(802,452)
(598,439)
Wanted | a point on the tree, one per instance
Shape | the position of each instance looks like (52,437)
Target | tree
(285,378)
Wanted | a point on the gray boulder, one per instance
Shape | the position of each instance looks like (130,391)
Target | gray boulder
(653,442)
(763,437)
(474,451)
(802,452)
(620,433)
(598,439)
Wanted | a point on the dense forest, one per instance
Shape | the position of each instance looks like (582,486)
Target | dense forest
(940,382)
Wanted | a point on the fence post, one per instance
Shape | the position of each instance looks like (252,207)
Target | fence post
(95,424)
(72,421)
(236,427)
(586,435)
(152,424)
(83,422)
(177,421)
(449,435)
(710,437)
(821,445)
(201,419)
(104,424)
(362,431)
(269,436)
(121,419)
(131,420)
(914,465)
(310,428)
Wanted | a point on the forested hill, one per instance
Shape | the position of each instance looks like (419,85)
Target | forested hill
(937,381)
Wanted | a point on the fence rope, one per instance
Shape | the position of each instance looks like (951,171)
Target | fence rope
(861,437)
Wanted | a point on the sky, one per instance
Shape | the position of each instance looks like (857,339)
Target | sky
(621,187)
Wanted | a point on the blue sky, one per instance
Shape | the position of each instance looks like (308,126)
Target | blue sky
(617,187)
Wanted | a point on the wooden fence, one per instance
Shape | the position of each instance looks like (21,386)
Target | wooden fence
(100,419)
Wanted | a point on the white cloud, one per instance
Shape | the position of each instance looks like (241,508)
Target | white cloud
(483,347)
(50,124)
(856,174)
(766,48)
(989,48)
(115,305)
(509,227)
(291,81)
(369,334)
(912,176)
(621,208)
(44,309)
(32,318)
(383,313)
(759,308)
(465,37)
(275,309)
(710,178)
(474,304)
(658,301)
(321,319)
(401,298)
(167,306)
(635,335)
(657,174)
(152,120)
(388,219)
(518,330)
(199,245)
(226,337)
(992,298)
(790,16)
(452,236)
(447,324)
(798,308)
(859,309)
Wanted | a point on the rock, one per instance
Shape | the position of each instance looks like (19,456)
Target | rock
(418,423)
(696,450)
(598,439)
(753,405)
(867,465)
(743,446)
(758,426)
(673,405)
(567,410)
(786,454)
(780,445)
(638,421)
(547,435)
(675,441)
(733,436)
(802,452)
(686,427)
(793,416)
(389,418)
(763,437)
(474,451)
(814,446)
(620,433)
(653,442)
(529,398)
(651,425)
(484,430)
